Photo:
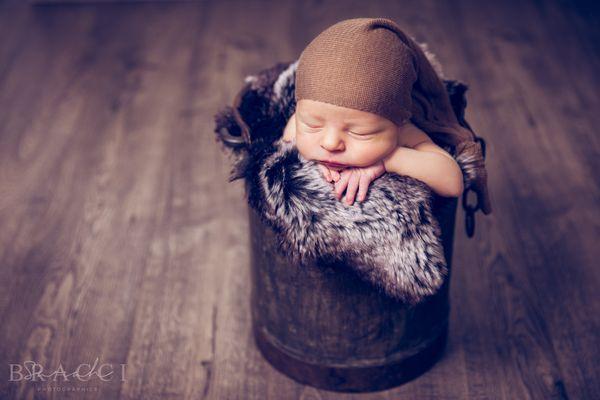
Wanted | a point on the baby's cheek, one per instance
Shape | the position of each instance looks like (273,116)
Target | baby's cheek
(303,147)
(371,153)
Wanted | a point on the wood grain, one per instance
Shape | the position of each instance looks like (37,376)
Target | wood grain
(121,239)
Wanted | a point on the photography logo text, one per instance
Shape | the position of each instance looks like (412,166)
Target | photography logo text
(35,372)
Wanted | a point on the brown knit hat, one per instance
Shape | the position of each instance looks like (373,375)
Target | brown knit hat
(370,64)
(361,64)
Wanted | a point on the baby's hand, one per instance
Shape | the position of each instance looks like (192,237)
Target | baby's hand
(357,178)
(330,175)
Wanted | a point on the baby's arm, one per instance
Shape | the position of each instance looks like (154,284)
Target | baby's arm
(418,157)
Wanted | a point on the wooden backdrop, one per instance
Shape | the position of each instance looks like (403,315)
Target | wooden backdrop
(120,239)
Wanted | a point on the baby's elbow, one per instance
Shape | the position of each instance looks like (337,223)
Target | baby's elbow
(458,186)
(455,187)
(453,182)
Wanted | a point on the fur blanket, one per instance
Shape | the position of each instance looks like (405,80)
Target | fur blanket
(392,239)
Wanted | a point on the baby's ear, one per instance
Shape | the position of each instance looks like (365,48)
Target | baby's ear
(411,135)
(289,133)
(399,131)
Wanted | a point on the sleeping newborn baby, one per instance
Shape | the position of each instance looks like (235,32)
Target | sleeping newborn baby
(359,87)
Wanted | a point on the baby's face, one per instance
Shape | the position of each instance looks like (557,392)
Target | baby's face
(349,137)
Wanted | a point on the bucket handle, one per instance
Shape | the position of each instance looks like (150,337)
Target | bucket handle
(237,101)
(470,209)
(237,141)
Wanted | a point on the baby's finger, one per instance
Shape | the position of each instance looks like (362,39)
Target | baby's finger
(341,184)
(363,188)
(351,189)
(328,174)
(335,175)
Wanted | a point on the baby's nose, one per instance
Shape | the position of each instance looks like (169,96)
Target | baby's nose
(332,141)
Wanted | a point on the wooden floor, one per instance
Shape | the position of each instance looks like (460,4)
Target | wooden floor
(121,240)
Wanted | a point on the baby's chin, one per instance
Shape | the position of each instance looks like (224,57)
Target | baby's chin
(354,163)
(337,168)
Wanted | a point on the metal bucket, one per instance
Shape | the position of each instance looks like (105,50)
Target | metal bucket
(323,326)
